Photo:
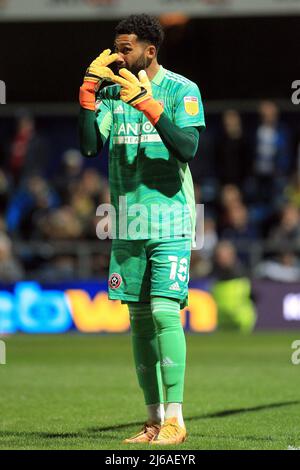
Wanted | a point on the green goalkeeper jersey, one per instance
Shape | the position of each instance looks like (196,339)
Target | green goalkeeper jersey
(151,191)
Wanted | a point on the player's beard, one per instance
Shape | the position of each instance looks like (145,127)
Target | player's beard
(142,63)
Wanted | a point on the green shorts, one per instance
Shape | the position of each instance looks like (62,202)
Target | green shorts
(140,269)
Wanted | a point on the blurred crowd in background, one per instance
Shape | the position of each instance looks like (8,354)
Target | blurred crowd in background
(249,182)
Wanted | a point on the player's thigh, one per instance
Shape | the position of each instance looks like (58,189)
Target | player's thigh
(129,271)
(170,261)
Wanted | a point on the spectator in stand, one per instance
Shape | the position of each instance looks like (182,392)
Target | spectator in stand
(230,196)
(32,201)
(232,151)
(203,168)
(292,191)
(5,192)
(284,268)
(69,174)
(58,268)
(91,190)
(201,258)
(239,228)
(61,224)
(28,154)
(210,236)
(2,225)
(288,230)
(10,269)
(231,290)
(83,207)
(95,186)
(273,158)
(2,155)
(226,264)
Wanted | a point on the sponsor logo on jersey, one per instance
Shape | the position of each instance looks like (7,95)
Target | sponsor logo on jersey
(115,281)
(135,133)
(191,105)
(131,139)
(134,128)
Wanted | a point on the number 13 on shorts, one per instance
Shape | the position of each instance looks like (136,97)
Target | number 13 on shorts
(179,268)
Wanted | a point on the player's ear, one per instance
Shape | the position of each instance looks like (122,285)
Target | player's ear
(151,52)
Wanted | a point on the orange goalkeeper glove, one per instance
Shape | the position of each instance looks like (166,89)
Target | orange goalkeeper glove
(97,72)
(138,93)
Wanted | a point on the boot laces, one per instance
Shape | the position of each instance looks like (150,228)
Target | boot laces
(168,430)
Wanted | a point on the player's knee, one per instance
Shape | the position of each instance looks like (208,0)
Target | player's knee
(141,321)
(143,329)
(166,321)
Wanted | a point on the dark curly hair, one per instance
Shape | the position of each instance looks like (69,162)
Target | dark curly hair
(146,27)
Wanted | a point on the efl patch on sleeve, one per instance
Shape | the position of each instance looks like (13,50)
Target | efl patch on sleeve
(191,105)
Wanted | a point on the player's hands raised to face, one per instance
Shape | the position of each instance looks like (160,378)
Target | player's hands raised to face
(99,70)
(133,90)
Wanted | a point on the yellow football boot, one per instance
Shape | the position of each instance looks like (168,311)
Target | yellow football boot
(170,433)
(148,433)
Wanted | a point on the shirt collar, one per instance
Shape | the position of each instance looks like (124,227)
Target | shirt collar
(159,76)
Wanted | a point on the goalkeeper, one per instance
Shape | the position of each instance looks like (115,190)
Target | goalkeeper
(152,118)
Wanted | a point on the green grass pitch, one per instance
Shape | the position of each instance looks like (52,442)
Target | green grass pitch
(80,392)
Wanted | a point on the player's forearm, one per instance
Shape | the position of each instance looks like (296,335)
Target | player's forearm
(89,134)
(181,142)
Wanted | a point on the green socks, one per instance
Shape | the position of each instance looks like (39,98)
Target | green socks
(159,349)
(146,352)
(172,346)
